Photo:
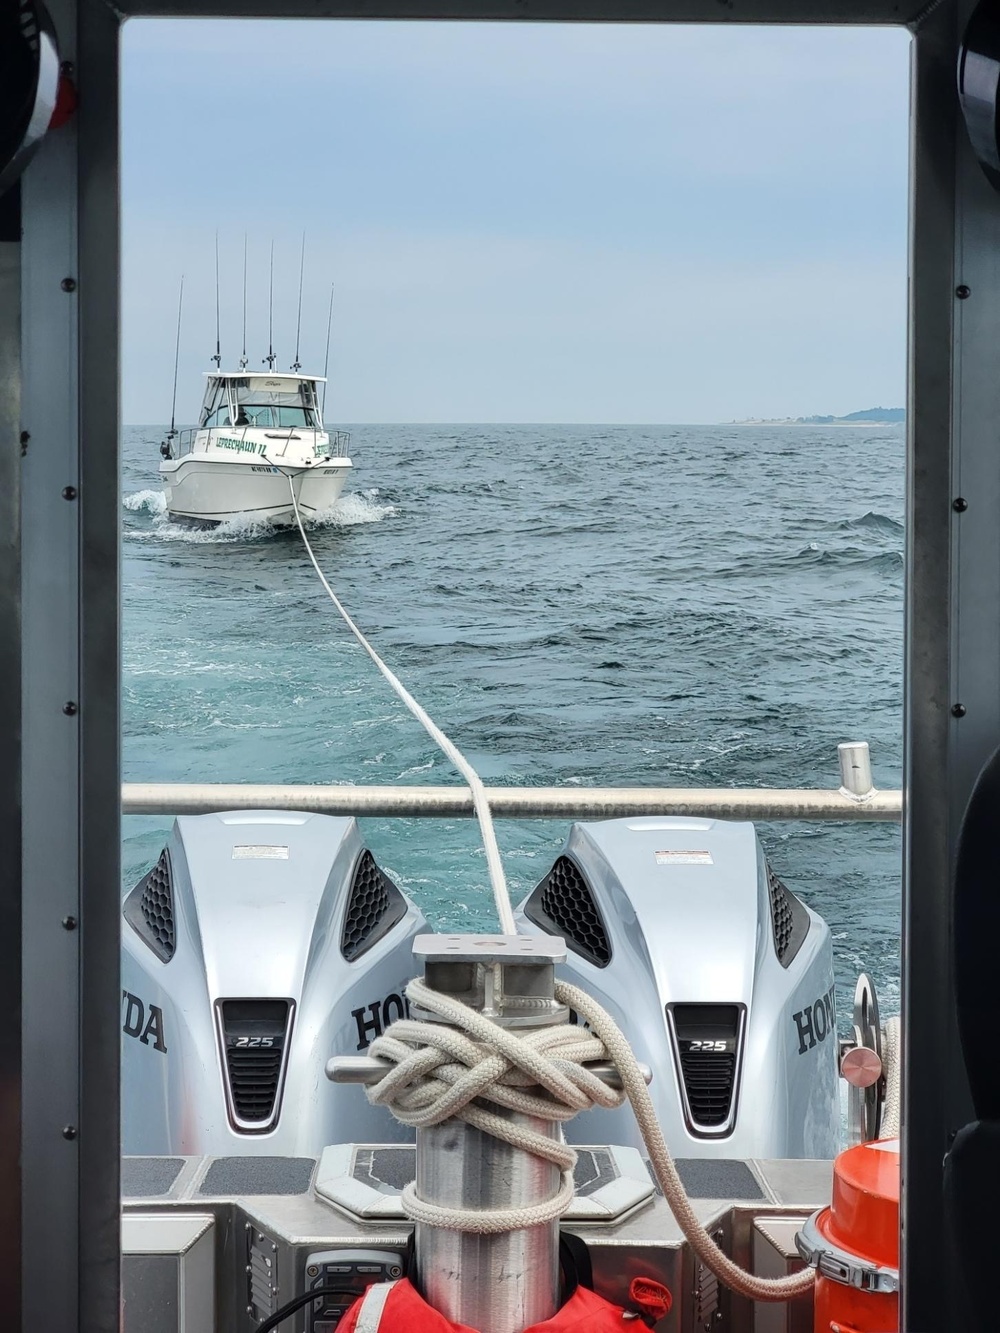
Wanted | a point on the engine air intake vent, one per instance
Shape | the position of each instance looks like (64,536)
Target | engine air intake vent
(255,1039)
(374,907)
(789,919)
(564,905)
(708,1040)
(709,1083)
(149,909)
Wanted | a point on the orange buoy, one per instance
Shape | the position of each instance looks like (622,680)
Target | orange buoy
(854,1244)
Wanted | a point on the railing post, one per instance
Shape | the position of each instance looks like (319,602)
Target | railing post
(855,769)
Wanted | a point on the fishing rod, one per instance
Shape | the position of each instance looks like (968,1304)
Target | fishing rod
(296,364)
(270,358)
(177,354)
(243,358)
(326,360)
(218,350)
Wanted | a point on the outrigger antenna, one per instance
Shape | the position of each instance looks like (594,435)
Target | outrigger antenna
(177,354)
(243,358)
(270,358)
(296,364)
(218,350)
(326,359)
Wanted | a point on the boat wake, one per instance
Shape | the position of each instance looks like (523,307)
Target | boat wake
(149,502)
(353,510)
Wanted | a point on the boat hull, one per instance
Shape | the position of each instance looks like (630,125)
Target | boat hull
(208,492)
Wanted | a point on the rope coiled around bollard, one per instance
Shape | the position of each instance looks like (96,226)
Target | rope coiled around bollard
(443,1072)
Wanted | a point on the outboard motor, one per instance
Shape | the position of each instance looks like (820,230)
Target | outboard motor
(260,944)
(719,976)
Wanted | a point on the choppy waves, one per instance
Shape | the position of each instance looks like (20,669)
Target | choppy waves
(872,522)
(660,606)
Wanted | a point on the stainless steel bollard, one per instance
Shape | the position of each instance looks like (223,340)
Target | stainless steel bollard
(506,1282)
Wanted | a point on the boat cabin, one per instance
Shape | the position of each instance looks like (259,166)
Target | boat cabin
(275,401)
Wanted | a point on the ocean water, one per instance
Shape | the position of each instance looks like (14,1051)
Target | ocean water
(592,605)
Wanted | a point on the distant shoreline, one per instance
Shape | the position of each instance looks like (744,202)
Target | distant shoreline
(791,421)
(870,416)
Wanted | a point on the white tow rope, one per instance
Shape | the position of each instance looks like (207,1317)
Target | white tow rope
(480,804)
(892,1052)
(448,1070)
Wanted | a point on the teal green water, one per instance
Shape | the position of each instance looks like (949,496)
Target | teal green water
(592,605)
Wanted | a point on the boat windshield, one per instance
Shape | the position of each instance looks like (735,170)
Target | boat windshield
(275,414)
(279,404)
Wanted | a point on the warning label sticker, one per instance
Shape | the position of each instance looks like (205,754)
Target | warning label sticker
(684,858)
(259,852)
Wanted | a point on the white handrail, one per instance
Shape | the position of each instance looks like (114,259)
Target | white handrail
(763,803)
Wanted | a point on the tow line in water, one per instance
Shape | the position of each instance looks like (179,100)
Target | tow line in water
(439,1070)
(481,805)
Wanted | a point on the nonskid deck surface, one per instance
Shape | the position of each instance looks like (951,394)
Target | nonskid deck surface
(272,1231)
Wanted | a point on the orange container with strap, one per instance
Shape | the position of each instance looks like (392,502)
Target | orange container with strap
(854,1244)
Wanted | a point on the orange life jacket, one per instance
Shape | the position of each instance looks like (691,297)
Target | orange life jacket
(397,1307)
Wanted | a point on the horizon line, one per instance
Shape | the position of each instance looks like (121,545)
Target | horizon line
(741,421)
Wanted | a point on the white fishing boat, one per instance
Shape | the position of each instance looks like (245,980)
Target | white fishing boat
(259,438)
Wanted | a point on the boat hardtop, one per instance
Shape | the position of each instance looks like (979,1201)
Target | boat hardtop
(279,400)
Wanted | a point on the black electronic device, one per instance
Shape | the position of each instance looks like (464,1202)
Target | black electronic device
(29,83)
(979,86)
(350,1271)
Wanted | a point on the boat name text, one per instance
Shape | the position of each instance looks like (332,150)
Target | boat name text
(241,446)
(816,1021)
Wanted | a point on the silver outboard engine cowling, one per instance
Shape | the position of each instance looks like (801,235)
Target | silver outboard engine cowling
(260,944)
(720,977)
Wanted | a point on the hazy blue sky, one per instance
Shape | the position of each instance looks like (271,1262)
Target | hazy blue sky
(524,222)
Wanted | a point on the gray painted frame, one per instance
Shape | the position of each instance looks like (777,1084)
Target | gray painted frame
(885,13)
(70,772)
(70,611)
(10,754)
(51,770)
(100,663)
(929,1020)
